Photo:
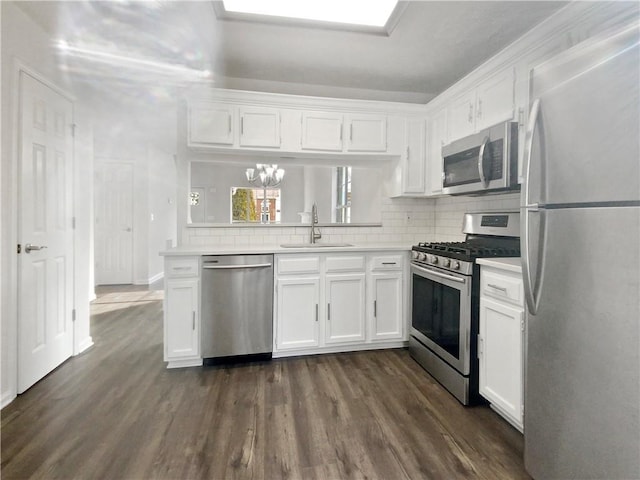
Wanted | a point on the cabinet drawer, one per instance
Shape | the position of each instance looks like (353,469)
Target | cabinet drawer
(287,264)
(387,262)
(181,267)
(345,263)
(503,285)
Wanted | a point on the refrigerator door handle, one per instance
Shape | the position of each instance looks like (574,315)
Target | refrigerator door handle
(533,268)
(528,149)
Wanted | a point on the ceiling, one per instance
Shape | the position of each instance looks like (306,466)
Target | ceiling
(433,44)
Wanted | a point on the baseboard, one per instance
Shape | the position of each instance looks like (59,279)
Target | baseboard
(156,277)
(7,398)
(84,345)
(150,280)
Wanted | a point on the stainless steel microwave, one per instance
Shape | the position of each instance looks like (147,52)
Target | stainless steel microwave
(485,161)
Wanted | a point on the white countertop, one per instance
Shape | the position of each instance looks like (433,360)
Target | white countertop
(511,264)
(247,250)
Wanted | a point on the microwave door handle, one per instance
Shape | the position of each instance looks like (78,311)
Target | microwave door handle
(483,178)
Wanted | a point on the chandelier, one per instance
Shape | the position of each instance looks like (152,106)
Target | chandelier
(265,176)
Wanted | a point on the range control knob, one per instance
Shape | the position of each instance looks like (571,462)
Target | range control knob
(415,255)
(434,259)
(423,257)
(455,265)
(446,262)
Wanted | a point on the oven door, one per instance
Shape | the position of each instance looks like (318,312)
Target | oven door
(441,314)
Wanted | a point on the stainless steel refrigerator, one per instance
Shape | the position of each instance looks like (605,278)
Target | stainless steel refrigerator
(581,262)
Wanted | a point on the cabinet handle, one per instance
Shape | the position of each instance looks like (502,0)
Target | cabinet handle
(316,312)
(497,287)
(479,113)
(375,308)
(229,123)
(388,263)
(470,113)
(351,132)
(328,311)
(480,346)
(181,269)
(193,320)
(408,156)
(241,125)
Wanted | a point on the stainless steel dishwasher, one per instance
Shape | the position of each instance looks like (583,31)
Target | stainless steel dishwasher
(237,306)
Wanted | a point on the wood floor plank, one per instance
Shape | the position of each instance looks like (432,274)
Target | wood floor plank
(117,412)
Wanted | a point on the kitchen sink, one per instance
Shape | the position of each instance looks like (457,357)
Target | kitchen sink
(315,245)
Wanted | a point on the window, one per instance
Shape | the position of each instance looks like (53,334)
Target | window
(247,205)
(343,195)
(354,12)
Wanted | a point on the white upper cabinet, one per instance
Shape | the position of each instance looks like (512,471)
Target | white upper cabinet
(491,102)
(259,127)
(496,99)
(211,124)
(366,133)
(291,127)
(437,138)
(462,115)
(413,172)
(321,131)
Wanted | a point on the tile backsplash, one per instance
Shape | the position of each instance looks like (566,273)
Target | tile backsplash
(404,220)
(450,210)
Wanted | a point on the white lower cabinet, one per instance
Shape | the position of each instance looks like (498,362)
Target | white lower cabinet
(339,302)
(345,315)
(501,343)
(386,320)
(297,304)
(182,322)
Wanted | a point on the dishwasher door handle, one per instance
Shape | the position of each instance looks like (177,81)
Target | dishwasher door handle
(235,267)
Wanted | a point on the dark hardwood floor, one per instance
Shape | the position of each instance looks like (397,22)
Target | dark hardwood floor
(116,412)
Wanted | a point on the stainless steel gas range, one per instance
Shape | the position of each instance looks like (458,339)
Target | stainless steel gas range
(445,283)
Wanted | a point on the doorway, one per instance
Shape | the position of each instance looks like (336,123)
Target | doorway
(113,216)
(45,229)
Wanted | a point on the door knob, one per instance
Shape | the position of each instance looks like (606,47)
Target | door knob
(28,247)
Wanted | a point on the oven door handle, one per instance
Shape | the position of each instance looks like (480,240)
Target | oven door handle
(441,275)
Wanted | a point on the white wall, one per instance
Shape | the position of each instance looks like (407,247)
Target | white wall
(24,42)
(162,207)
(143,134)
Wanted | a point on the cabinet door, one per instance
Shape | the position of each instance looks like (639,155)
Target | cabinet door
(345,308)
(321,131)
(462,116)
(211,124)
(500,355)
(386,313)
(413,174)
(367,133)
(297,312)
(259,127)
(437,138)
(182,335)
(496,99)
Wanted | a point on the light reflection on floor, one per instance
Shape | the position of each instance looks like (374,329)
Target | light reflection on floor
(117,297)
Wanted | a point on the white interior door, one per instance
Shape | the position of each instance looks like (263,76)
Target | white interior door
(45,290)
(113,223)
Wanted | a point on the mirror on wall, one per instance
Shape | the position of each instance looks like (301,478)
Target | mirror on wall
(221,194)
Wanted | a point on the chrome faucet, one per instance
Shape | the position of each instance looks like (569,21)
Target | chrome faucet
(313,235)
